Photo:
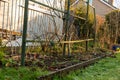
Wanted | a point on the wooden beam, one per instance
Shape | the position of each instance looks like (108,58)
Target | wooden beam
(16,33)
(78,17)
(10,32)
(78,41)
(37,11)
(67,42)
(6,1)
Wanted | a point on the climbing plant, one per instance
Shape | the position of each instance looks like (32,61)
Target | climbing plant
(85,28)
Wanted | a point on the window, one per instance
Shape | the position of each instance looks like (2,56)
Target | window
(90,1)
(106,0)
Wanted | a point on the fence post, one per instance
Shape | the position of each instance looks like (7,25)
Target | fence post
(87,22)
(95,28)
(86,45)
(24,34)
(66,27)
(87,10)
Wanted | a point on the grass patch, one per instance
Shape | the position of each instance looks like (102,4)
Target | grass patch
(105,69)
(21,73)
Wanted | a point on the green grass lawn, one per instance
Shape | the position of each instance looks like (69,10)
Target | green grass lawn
(21,73)
(105,69)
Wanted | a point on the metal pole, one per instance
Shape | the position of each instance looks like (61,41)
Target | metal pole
(24,33)
(66,27)
(87,22)
(94,27)
(87,10)
(47,6)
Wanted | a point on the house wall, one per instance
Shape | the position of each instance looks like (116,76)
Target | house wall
(101,8)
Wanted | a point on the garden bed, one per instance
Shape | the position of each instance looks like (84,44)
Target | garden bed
(42,63)
(51,62)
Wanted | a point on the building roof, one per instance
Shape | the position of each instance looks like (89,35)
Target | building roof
(103,1)
(108,4)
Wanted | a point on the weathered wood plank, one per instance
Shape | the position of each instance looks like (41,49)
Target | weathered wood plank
(78,41)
